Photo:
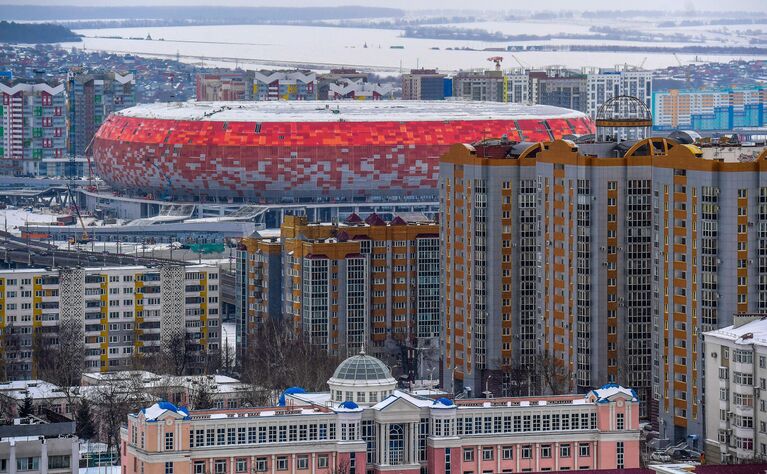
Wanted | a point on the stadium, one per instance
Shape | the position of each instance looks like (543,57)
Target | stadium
(294,151)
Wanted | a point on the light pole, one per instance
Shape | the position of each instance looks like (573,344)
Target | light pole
(487,386)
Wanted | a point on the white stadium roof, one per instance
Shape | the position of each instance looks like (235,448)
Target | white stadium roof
(352,111)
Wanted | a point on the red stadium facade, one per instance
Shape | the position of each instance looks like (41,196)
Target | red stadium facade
(271,152)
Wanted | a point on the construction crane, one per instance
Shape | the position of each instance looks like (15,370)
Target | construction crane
(85,238)
(519,61)
(497,60)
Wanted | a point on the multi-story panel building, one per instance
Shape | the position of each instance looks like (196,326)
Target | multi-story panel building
(347,285)
(736,376)
(518,87)
(224,86)
(32,125)
(112,314)
(388,430)
(640,246)
(544,257)
(710,110)
(559,87)
(284,85)
(709,227)
(489,86)
(423,84)
(91,98)
(336,77)
(358,90)
(605,84)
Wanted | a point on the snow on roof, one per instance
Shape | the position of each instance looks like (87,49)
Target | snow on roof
(353,111)
(755,332)
(36,389)
(605,392)
(160,408)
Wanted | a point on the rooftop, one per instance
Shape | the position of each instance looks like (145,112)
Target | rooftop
(753,332)
(354,111)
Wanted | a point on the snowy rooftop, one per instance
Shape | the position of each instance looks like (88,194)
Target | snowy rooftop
(754,332)
(37,389)
(353,111)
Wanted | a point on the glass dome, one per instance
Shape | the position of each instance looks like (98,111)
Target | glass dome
(362,367)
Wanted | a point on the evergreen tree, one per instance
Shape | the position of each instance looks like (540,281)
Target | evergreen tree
(85,429)
(26,408)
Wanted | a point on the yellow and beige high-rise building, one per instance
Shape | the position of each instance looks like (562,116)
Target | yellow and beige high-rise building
(111,314)
(346,285)
(568,264)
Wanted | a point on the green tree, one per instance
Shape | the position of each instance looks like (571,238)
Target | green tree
(85,429)
(26,409)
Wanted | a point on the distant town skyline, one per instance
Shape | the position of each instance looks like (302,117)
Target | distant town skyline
(734,5)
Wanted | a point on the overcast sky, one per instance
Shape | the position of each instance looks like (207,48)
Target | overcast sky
(752,5)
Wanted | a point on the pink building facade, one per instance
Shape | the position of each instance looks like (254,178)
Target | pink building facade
(402,433)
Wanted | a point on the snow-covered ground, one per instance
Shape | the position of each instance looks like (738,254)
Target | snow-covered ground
(11,219)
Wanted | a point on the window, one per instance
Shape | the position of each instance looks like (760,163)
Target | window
(619,421)
(546,451)
(199,467)
(282,463)
(220,466)
(619,455)
(303,462)
(564,451)
(322,461)
(56,462)
(584,450)
(242,465)
(168,467)
(527,452)
(508,452)
(487,454)
(169,441)
(261,464)
(28,464)
(468,454)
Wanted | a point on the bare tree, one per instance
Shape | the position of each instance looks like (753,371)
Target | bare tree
(277,359)
(555,374)
(63,364)
(119,394)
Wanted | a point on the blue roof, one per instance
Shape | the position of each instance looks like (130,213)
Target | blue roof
(349,405)
(289,391)
(156,410)
(443,401)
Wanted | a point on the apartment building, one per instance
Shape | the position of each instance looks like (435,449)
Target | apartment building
(91,98)
(736,377)
(709,110)
(284,85)
(223,86)
(346,285)
(388,430)
(542,255)
(613,259)
(423,84)
(604,84)
(32,125)
(709,222)
(112,313)
(559,87)
(338,77)
(489,86)
(358,90)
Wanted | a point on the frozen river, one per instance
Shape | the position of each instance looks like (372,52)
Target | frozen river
(371,49)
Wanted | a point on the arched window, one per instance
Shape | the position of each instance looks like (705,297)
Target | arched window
(396,444)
